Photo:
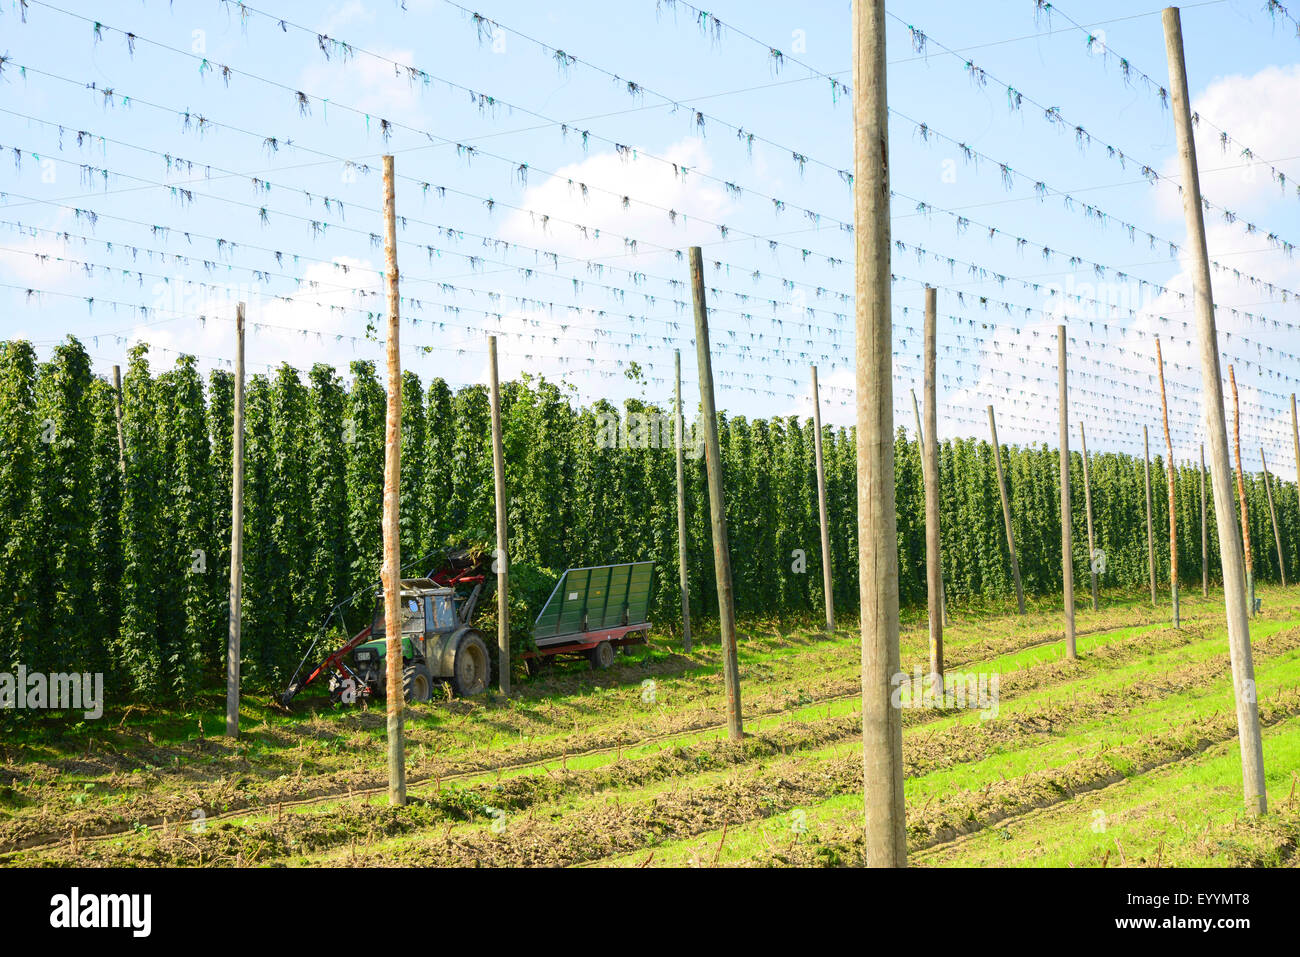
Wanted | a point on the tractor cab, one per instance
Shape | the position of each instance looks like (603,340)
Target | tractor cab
(426,608)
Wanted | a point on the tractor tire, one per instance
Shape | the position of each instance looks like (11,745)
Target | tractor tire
(601,657)
(472,670)
(417,684)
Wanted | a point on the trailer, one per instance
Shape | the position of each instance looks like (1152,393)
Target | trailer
(592,612)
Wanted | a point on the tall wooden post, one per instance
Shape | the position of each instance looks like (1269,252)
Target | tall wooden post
(1205,533)
(679,428)
(1087,501)
(717,507)
(1295,437)
(882,726)
(827,585)
(925,472)
(1243,669)
(1006,512)
(1171,471)
(117,412)
(502,558)
(1151,542)
(1272,514)
(236,533)
(933,537)
(1247,549)
(1067,531)
(392,569)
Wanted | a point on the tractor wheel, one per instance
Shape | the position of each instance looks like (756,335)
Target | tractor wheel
(417,684)
(602,656)
(472,671)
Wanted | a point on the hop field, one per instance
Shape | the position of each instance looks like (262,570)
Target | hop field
(1125,757)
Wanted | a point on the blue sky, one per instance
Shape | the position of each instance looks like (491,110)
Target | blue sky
(505,239)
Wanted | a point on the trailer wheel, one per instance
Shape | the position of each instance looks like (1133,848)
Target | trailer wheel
(417,684)
(602,656)
(472,671)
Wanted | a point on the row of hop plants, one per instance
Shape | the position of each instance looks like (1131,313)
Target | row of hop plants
(115,559)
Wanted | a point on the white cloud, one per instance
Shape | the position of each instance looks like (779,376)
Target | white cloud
(1257,111)
(21,262)
(298,331)
(608,177)
(370,84)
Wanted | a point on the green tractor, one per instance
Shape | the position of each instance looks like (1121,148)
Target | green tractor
(439,641)
(438,644)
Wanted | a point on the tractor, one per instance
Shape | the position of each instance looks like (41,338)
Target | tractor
(437,644)
(439,641)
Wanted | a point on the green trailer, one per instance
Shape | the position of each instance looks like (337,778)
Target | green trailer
(592,612)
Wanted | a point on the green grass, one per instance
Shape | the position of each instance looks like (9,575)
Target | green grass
(600,775)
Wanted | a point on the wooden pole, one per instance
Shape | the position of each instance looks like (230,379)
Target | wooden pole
(1243,669)
(1067,531)
(392,569)
(821,506)
(1006,512)
(1205,533)
(1087,501)
(1295,437)
(1171,471)
(117,411)
(1247,549)
(1151,542)
(1272,514)
(717,507)
(925,472)
(502,559)
(933,538)
(882,726)
(679,428)
(236,533)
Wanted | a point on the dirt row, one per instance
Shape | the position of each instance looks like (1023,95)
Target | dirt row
(1001,802)
(609,829)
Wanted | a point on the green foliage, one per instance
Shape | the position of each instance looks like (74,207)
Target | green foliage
(413,503)
(436,491)
(529,586)
(291,517)
(105,529)
(139,651)
(124,567)
(363,435)
(62,501)
(18,515)
(327,548)
(189,628)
